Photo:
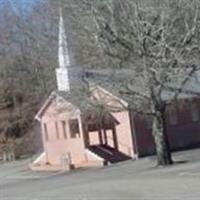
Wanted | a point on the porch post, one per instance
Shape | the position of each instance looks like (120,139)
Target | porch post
(115,138)
(100,136)
(86,136)
(105,136)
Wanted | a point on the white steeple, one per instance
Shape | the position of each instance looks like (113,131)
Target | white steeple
(63,53)
(63,58)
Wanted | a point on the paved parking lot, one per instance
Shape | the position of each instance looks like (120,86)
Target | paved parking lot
(132,180)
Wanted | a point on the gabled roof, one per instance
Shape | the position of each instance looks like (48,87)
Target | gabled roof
(79,100)
(45,105)
(108,93)
(111,81)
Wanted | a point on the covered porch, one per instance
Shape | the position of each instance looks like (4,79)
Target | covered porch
(100,136)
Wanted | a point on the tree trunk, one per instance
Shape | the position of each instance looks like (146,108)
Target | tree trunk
(161,140)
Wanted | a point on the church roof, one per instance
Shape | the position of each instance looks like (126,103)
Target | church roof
(113,81)
(78,99)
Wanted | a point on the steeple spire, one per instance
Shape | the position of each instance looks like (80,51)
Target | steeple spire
(63,53)
(63,58)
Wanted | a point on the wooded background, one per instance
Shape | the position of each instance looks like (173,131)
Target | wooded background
(157,41)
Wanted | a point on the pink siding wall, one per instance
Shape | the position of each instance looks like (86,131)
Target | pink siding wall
(110,138)
(59,111)
(123,129)
(124,135)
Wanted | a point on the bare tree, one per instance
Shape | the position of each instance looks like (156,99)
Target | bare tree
(154,46)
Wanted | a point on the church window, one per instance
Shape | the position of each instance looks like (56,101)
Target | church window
(74,128)
(57,131)
(46,136)
(64,129)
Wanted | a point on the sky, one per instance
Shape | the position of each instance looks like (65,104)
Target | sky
(21,6)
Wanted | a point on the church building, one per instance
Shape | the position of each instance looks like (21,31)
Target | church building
(81,128)
(76,129)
